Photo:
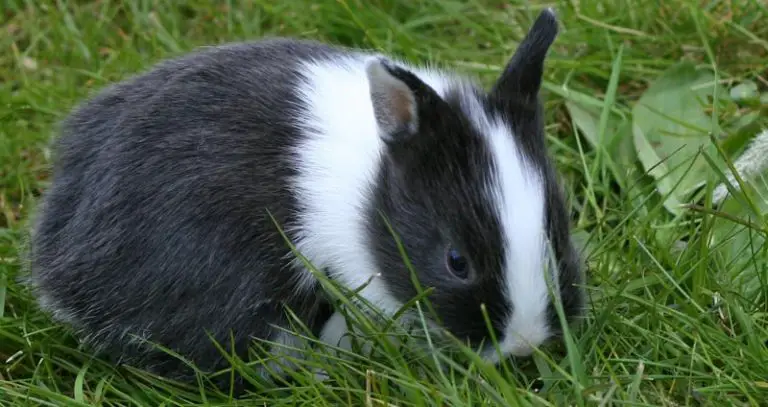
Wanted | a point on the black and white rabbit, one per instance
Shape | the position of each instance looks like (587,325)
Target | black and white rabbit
(159,223)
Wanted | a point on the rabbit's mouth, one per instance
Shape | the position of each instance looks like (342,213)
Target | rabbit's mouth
(514,345)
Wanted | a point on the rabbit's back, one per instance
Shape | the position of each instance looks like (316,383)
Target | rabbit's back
(159,221)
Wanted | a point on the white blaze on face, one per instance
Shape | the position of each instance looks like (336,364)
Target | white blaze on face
(517,192)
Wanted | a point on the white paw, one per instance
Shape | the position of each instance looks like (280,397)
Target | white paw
(321,375)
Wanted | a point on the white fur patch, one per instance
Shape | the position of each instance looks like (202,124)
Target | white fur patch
(335,330)
(518,194)
(338,162)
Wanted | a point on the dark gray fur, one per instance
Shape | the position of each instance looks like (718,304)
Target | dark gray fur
(156,221)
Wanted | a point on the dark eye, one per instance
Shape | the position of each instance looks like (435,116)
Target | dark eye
(456,263)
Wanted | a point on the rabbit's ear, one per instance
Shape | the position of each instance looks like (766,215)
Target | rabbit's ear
(523,74)
(398,96)
(394,103)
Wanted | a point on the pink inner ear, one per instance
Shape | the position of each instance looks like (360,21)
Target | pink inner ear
(401,103)
(394,103)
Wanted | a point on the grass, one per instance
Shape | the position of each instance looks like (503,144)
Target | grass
(678,314)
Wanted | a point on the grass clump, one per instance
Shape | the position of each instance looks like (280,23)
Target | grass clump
(650,105)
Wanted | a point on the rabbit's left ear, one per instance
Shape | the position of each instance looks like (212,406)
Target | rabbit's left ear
(523,74)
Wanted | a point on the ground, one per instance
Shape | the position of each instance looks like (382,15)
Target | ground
(647,102)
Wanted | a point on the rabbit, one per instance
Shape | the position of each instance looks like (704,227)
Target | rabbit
(161,220)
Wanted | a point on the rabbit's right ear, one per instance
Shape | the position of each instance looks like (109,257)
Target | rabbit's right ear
(398,97)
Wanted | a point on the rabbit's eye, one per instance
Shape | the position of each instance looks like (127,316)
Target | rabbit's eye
(456,263)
